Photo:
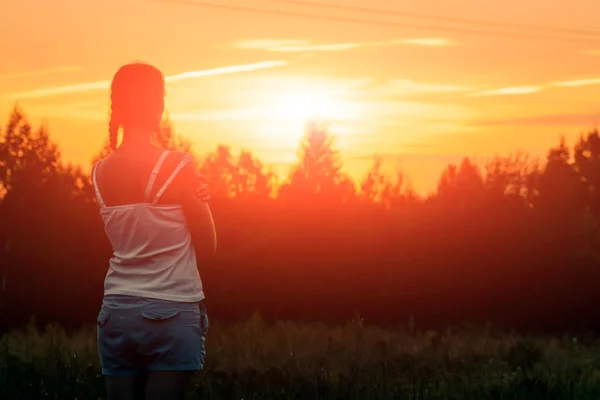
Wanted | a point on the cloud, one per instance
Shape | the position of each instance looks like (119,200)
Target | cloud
(543,120)
(293,46)
(226,70)
(41,72)
(519,90)
(410,87)
(433,42)
(76,88)
(70,112)
(575,83)
(102,85)
(237,114)
(515,90)
(301,46)
(594,52)
(402,89)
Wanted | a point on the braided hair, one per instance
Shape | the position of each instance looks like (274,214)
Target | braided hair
(137,96)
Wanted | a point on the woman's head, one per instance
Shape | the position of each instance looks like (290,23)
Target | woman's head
(137,100)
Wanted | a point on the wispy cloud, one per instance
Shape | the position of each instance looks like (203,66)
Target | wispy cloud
(238,114)
(432,42)
(411,87)
(593,52)
(102,85)
(292,46)
(82,110)
(41,72)
(58,90)
(506,91)
(300,46)
(543,120)
(521,90)
(226,70)
(404,89)
(580,82)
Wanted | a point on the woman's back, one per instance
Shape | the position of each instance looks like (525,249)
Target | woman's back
(153,322)
(146,224)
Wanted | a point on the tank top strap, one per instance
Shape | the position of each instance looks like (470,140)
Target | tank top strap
(184,161)
(154,174)
(99,198)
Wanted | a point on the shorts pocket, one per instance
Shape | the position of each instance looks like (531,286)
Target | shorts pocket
(203,319)
(103,317)
(159,315)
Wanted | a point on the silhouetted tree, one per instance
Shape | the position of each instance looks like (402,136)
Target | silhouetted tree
(561,191)
(253,179)
(27,157)
(511,176)
(45,202)
(377,187)
(318,176)
(586,157)
(219,169)
(516,245)
(242,176)
(462,182)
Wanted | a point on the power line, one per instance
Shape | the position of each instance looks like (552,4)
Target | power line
(376,22)
(380,11)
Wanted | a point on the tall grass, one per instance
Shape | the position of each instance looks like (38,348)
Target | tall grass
(252,360)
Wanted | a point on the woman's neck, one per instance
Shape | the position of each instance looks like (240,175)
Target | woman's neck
(135,137)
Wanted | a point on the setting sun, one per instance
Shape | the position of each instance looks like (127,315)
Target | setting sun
(304,105)
(280,113)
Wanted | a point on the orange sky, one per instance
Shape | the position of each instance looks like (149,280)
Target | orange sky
(422,98)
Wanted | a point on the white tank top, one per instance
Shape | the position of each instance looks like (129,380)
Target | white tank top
(153,253)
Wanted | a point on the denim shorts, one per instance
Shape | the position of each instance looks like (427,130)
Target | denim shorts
(139,335)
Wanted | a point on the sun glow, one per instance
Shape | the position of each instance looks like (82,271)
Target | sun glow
(282,108)
(304,105)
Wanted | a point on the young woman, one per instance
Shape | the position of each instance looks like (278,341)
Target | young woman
(152,323)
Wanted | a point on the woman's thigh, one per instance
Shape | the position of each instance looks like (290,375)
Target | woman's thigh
(121,387)
(167,385)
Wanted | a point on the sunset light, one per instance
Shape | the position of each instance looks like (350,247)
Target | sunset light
(301,199)
(303,105)
(424,85)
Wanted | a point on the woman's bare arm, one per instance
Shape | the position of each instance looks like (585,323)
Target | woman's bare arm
(197,212)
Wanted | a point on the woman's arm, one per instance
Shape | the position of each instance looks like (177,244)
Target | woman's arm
(193,195)
(202,189)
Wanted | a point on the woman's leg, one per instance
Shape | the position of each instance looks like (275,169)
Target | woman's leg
(126,387)
(120,387)
(140,386)
(162,385)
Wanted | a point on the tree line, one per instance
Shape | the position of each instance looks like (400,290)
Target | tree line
(514,241)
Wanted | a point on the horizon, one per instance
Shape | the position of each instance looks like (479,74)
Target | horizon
(420,98)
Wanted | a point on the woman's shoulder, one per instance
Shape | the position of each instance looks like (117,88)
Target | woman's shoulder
(181,155)
(98,163)
(183,160)
(180,164)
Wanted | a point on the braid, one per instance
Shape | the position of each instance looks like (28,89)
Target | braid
(159,136)
(113,130)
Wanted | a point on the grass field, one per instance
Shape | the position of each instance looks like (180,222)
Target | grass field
(253,360)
